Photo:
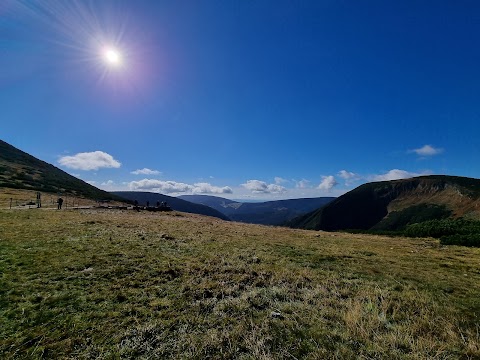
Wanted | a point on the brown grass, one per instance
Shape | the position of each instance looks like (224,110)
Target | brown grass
(20,199)
(451,197)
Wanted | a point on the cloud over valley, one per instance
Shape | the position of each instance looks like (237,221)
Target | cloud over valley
(328,182)
(174,187)
(89,161)
(261,187)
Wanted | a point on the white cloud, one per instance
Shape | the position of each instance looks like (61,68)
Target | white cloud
(108,183)
(427,150)
(206,188)
(328,182)
(89,161)
(279,180)
(276,189)
(261,187)
(256,186)
(302,184)
(160,186)
(348,176)
(177,187)
(91,182)
(145,171)
(396,174)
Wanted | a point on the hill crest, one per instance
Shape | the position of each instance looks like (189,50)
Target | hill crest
(367,205)
(20,170)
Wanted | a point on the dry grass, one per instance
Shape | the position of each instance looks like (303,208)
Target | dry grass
(23,199)
(119,284)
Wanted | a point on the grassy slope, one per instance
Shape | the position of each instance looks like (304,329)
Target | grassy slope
(106,284)
(366,206)
(21,198)
(20,170)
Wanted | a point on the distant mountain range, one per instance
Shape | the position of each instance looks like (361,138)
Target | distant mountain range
(23,171)
(388,205)
(20,170)
(267,213)
(391,205)
(174,202)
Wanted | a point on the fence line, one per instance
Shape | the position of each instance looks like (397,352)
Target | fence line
(15,201)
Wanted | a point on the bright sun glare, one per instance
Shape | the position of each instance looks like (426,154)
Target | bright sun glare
(112,57)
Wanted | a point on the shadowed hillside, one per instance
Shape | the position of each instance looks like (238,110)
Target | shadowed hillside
(266,213)
(19,170)
(390,205)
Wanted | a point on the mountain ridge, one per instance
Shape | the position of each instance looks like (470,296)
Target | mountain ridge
(20,170)
(367,205)
(276,212)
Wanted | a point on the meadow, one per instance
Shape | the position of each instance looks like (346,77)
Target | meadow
(119,284)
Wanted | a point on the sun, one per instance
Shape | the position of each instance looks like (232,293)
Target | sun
(112,57)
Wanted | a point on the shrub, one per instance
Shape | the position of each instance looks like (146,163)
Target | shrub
(459,239)
(450,231)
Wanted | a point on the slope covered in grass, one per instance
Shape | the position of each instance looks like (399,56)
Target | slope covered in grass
(369,206)
(20,170)
(118,284)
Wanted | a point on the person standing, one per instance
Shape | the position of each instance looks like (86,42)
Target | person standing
(60,202)
(39,200)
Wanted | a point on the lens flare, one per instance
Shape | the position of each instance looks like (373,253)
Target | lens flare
(97,41)
(112,57)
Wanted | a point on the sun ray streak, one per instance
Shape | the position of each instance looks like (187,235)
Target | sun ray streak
(93,34)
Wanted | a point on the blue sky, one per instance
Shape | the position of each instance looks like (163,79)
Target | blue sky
(243,99)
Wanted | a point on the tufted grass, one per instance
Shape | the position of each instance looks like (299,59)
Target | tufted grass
(111,284)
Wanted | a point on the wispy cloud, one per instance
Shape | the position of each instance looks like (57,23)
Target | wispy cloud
(346,175)
(170,187)
(349,177)
(89,161)
(427,150)
(328,182)
(302,184)
(396,174)
(261,187)
(145,171)
(279,180)
(108,183)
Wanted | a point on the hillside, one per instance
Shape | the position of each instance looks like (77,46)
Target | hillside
(223,205)
(175,203)
(266,213)
(391,205)
(19,170)
(92,284)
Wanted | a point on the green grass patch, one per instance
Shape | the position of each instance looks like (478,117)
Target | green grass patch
(118,284)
